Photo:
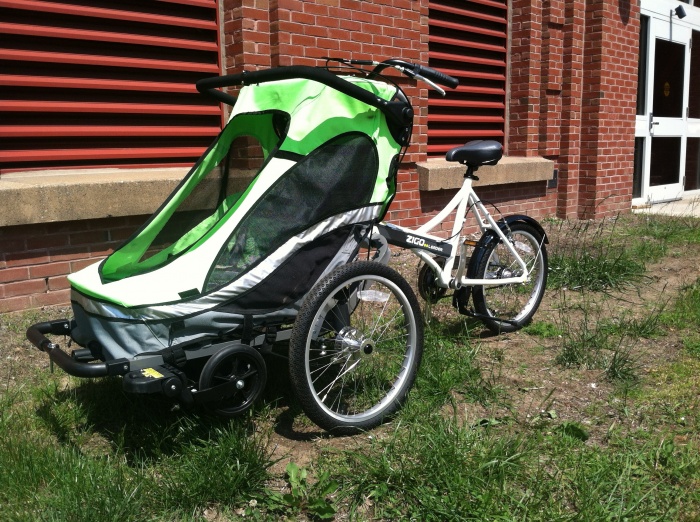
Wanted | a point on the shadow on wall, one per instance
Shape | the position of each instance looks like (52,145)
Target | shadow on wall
(624,8)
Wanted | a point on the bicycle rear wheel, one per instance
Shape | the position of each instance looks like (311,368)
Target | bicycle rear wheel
(509,307)
(355,347)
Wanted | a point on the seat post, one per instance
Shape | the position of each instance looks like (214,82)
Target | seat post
(471,169)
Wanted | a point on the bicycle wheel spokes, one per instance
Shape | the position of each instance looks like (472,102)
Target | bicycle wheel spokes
(369,353)
(508,300)
(362,350)
(511,305)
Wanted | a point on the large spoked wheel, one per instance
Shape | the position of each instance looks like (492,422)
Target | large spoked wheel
(355,347)
(509,307)
(233,379)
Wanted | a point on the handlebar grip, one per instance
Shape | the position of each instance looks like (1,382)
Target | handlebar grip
(436,76)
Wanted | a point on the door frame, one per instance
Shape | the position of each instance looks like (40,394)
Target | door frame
(662,26)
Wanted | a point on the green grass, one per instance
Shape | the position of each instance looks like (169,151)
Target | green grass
(613,253)
(444,470)
(543,329)
(685,312)
(75,457)
(470,443)
(592,339)
(593,256)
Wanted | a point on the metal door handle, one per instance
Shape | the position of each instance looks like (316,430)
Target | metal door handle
(651,121)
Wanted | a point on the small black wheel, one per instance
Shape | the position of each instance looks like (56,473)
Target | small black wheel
(508,307)
(238,373)
(356,347)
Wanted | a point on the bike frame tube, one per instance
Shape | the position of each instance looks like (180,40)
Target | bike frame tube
(463,199)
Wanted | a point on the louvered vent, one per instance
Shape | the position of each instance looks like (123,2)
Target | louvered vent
(468,40)
(105,83)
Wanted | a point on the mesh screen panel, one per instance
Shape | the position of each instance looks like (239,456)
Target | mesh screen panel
(338,176)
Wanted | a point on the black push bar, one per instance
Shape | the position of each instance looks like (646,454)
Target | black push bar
(318,74)
(37,336)
(399,114)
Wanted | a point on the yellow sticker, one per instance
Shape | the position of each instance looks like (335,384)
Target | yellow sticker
(150,372)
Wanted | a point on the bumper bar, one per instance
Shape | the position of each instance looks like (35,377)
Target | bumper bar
(37,336)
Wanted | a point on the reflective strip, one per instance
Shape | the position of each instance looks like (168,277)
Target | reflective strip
(237,287)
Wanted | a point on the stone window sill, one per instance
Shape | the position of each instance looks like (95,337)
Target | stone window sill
(72,195)
(443,175)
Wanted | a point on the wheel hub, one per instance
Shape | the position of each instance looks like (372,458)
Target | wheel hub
(351,341)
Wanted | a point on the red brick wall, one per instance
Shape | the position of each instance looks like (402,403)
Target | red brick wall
(572,99)
(609,108)
(525,77)
(294,32)
(35,259)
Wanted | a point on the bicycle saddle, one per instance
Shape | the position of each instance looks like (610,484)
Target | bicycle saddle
(476,153)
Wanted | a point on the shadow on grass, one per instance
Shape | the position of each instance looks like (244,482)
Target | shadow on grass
(98,416)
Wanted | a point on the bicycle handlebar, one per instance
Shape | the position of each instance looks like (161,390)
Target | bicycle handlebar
(210,85)
(437,76)
(398,112)
(416,70)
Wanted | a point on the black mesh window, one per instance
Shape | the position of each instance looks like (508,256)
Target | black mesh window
(338,176)
(202,204)
(221,187)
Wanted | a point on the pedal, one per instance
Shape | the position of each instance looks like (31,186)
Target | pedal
(153,380)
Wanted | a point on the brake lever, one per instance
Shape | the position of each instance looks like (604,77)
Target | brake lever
(415,76)
(431,83)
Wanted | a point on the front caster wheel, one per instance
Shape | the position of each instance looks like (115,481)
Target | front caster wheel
(355,348)
(232,380)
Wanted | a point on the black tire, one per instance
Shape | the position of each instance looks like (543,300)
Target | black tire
(509,307)
(237,363)
(356,347)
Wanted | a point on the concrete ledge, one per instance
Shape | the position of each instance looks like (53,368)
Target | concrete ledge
(71,195)
(440,174)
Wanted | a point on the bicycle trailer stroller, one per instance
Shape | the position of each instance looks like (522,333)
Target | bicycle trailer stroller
(237,259)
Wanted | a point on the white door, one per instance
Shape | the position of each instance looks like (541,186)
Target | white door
(662,109)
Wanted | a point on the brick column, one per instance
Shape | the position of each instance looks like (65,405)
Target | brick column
(609,107)
(270,33)
(246,28)
(573,31)
(525,78)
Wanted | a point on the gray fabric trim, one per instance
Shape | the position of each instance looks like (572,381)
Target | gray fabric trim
(128,339)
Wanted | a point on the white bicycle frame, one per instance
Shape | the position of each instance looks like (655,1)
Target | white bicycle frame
(464,199)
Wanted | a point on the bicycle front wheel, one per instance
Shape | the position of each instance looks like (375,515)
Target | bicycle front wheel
(356,347)
(509,307)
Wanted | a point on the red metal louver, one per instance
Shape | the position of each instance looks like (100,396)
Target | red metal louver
(103,83)
(468,40)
